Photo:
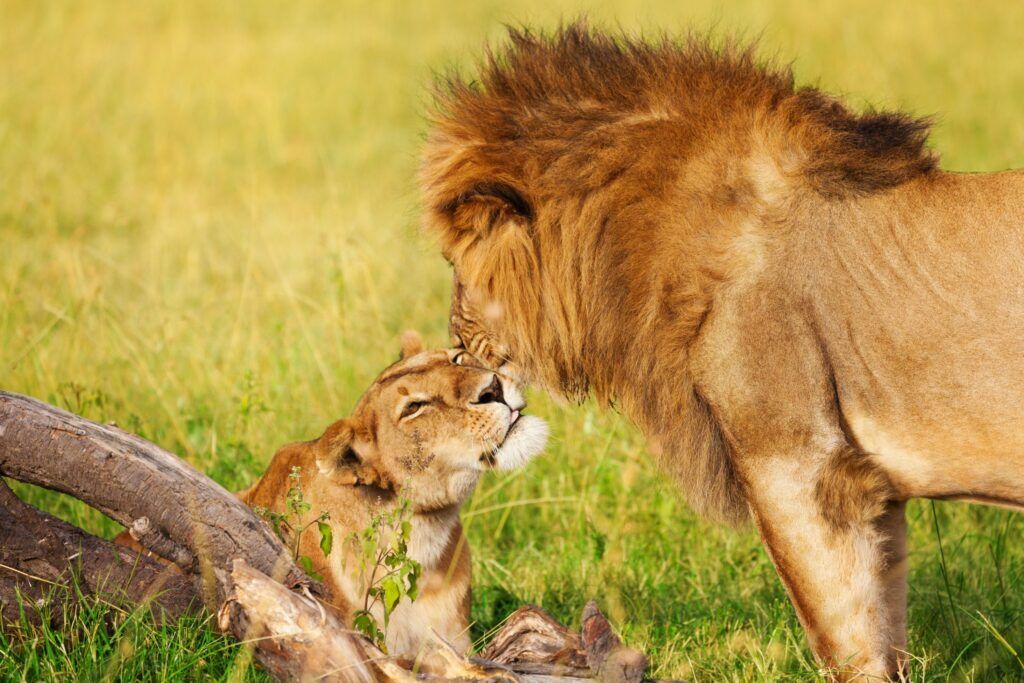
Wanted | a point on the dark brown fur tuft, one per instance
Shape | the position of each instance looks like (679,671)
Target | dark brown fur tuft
(851,491)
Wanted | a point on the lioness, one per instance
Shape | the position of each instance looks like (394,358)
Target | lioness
(810,321)
(424,431)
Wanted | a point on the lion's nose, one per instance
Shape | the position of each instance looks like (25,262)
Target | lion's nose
(492,393)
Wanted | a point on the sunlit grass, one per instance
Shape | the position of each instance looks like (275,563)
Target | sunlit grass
(208,222)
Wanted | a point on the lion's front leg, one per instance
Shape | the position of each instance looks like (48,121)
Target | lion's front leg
(838,543)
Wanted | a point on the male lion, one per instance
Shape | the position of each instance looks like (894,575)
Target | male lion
(810,321)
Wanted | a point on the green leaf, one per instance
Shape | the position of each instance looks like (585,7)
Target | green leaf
(326,537)
(412,579)
(364,623)
(406,529)
(392,594)
(307,565)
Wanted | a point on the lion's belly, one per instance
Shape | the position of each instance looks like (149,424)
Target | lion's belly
(959,461)
(938,403)
(920,311)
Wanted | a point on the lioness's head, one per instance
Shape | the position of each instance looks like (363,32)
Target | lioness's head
(429,426)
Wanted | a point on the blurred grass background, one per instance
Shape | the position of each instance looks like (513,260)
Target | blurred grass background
(209,234)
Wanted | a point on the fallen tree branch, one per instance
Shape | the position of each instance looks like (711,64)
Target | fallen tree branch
(295,638)
(532,641)
(128,478)
(42,557)
(532,636)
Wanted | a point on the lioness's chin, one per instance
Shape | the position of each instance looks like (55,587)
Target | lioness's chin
(525,440)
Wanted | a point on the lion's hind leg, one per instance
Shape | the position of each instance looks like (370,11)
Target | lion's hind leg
(838,542)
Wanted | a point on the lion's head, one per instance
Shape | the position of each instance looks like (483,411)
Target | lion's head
(429,426)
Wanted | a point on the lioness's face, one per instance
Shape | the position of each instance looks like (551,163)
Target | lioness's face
(434,421)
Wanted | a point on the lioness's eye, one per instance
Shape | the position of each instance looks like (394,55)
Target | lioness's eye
(411,408)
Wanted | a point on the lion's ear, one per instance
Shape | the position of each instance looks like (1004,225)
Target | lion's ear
(412,343)
(338,459)
(486,205)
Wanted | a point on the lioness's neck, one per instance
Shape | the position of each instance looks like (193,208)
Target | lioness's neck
(434,535)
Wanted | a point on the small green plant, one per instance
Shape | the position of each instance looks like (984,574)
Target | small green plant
(382,549)
(290,524)
(250,397)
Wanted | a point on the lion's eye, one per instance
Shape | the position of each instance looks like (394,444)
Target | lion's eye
(411,408)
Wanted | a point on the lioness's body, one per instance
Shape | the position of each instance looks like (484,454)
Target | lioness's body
(423,433)
(436,542)
(809,320)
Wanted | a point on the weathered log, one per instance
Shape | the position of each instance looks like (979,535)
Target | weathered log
(613,661)
(128,478)
(532,636)
(294,637)
(46,559)
(531,641)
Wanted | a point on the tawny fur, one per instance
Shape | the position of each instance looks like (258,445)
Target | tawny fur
(588,139)
(807,318)
(432,456)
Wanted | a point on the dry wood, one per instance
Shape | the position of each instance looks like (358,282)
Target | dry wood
(129,478)
(42,557)
(613,661)
(532,641)
(143,532)
(532,636)
(294,637)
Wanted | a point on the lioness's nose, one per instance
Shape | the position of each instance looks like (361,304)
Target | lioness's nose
(492,393)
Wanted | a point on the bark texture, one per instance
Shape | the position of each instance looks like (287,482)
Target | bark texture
(46,560)
(128,478)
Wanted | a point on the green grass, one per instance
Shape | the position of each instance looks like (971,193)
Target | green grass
(208,229)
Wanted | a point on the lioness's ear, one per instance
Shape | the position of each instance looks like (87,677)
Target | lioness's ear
(338,458)
(485,205)
(412,343)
